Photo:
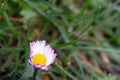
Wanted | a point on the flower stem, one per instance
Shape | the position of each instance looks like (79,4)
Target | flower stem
(35,73)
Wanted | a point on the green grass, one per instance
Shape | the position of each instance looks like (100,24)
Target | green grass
(84,34)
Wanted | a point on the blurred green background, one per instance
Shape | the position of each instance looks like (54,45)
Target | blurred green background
(84,33)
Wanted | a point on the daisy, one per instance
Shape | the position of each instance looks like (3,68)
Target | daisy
(41,55)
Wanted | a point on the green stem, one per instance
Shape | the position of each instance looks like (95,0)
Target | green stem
(35,73)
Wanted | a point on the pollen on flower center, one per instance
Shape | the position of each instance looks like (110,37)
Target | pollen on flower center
(39,59)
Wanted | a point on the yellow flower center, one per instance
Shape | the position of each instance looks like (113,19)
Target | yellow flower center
(39,59)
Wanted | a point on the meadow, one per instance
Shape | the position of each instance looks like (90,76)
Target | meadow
(85,35)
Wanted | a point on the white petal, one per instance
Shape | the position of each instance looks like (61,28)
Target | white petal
(38,47)
(51,59)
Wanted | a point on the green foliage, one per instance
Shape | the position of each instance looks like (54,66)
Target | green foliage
(84,33)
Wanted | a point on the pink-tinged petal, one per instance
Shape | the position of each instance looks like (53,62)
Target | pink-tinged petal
(32,46)
(45,67)
(51,60)
(34,65)
(30,62)
(37,66)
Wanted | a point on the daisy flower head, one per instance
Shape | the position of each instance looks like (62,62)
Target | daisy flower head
(41,55)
